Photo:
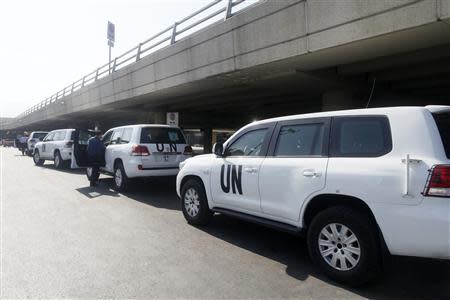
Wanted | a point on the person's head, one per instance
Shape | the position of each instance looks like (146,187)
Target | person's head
(98,134)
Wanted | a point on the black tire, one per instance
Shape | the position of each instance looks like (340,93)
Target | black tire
(204,214)
(58,161)
(124,182)
(37,158)
(369,265)
(91,176)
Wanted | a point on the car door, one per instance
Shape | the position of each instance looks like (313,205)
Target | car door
(113,149)
(79,149)
(46,146)
(295,167)
(234,177)
(106,140)
(56,141)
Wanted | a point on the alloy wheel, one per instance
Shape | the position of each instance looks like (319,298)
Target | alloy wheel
(339,247)
(192,202)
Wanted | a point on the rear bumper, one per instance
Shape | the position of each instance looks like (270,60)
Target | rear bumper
(66,153)
(417,230)
(134,170)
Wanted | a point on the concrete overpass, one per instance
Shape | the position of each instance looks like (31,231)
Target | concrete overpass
(273,58)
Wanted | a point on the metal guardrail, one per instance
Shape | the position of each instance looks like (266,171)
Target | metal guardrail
(167,36)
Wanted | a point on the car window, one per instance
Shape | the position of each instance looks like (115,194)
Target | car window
(361,136)
(250,144)
(443,124)
(59,136)
(84,137)
(155,135)
(126,135)
(107,137)
(115,139)
(300,140)
(39,135)
(49,137)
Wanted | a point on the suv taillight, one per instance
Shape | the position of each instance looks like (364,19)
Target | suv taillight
(438,183)
(68,144)
(187,150)
(139,150)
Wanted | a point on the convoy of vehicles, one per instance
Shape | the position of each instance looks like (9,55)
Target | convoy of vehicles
(358,184)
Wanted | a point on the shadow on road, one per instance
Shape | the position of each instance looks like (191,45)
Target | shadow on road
(98,191)
(64,170)
(157,192)
(404,278)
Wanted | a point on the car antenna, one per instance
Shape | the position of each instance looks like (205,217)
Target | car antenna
(371,92)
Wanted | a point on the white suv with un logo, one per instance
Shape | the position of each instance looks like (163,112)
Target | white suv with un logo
(358,184)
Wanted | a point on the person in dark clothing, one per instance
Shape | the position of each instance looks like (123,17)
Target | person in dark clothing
(96,156)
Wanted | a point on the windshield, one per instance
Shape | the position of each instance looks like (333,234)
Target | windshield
(443,124)
(154,135)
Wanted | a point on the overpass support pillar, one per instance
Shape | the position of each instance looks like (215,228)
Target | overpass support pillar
(339,100)
(157,117)
(207,139)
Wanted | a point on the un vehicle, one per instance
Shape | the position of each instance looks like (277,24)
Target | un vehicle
(135,151)
(357,183)
(56,146)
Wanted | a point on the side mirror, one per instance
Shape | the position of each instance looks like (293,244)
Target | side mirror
(218,149)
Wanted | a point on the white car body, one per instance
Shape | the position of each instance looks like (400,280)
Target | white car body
(35,137)
(161,159)
(56,141)
(281,188)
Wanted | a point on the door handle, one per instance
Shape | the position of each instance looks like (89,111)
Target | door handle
(311,173)
(251,170)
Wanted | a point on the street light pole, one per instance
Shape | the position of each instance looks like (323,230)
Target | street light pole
(111,35)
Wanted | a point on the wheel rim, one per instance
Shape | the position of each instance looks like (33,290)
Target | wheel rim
(36,157)
(57,160)
(118,177)
(192,202)
(89,172)
(339,247)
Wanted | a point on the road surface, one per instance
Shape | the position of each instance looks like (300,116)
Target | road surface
(61,238)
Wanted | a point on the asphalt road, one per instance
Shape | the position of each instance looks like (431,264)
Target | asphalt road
(61,238)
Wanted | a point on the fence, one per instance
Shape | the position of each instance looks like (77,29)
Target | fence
(168,36)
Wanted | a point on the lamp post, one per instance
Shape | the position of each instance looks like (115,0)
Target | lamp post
(111,36)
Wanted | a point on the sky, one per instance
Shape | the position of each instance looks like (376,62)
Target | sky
(47,44)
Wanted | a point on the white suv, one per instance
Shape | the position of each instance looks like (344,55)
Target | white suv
(56,146)
(35,137)
(357,183)
(136,151)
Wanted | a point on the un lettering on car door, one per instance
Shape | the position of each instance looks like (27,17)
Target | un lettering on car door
(234,184)
(232,176)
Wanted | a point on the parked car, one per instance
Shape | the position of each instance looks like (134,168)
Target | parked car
(35,136)
(136,151)
(358,184)
(56,146)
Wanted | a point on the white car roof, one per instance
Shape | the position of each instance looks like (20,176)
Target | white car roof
(145,125)
(355,112)
(61,129)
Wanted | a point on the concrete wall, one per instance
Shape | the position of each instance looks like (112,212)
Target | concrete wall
(272,31)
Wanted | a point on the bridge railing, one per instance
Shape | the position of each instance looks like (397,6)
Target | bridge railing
(208,14)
